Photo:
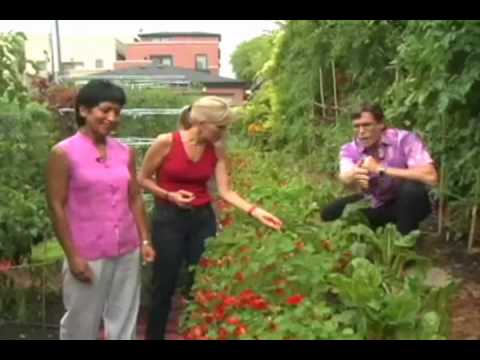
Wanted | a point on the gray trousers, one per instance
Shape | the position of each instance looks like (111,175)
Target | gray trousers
(114,296)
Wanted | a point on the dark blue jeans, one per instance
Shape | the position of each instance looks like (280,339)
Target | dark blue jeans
(178,237)
(410,206)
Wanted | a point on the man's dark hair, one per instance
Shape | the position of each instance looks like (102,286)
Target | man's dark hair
(96,92)
(374,109)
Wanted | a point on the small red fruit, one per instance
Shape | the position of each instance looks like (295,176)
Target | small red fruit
(295,299)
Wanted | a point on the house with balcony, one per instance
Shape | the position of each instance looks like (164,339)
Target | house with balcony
(197,51)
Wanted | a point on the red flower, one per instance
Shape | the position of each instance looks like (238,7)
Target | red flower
(210,295)
(189,336)
(227,221)
(248,294)
(220,313)
(223,334)
(230,301)
(201,298)
(259,304)
(206,263)
(241,330)
(221,296)
(204,328)
(295,299)
(5,266)
(233,320)
(209,318)
(197,332)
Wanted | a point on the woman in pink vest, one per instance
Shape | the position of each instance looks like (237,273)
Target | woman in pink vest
(176,170)
(99,218)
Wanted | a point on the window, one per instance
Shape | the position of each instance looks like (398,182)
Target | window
(99,64)
(165,60)
(71,65)
(201,62)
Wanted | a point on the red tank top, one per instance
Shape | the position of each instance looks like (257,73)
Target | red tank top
(179,172)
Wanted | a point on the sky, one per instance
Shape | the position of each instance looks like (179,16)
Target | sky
(233,31)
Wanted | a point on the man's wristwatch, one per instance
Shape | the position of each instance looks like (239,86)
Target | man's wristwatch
(382,170)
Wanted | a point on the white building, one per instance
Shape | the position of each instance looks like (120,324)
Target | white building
(81,55)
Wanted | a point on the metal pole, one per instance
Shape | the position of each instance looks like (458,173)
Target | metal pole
(52,57)
(59,55)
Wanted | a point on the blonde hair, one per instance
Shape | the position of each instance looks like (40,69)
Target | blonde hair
(210,109)
(184,120)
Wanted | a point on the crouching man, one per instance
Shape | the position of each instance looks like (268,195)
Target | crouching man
(392,167)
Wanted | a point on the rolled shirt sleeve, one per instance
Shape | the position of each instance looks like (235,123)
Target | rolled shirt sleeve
(416,151)
(348,158)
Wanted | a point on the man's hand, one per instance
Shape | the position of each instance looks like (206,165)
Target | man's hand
(360,177)
(372,165)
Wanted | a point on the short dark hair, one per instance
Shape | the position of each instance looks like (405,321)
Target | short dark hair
(374,109)
(96,92)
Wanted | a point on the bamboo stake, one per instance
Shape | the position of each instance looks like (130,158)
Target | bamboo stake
(322,95)
(471,236)
(473,223)
(44,287)
(443,181)
(334,89)
(441,201)
(44,298)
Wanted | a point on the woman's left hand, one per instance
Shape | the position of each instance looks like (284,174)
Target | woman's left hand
(148,253)
(267,219)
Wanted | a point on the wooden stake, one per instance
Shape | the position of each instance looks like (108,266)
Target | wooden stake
(471,236)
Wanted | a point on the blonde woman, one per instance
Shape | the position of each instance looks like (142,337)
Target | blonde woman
(176,170)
